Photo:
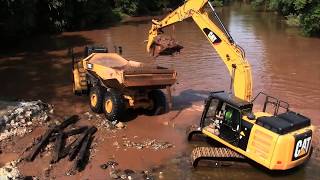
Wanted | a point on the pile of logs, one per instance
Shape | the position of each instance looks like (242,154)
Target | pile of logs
(77,149)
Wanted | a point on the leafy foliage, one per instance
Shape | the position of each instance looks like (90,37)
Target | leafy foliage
(305,12)
(19,18)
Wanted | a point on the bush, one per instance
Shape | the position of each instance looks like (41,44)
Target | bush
(311,21)
(298,12)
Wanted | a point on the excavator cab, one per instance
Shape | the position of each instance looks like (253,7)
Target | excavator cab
(278,141)
(222,116)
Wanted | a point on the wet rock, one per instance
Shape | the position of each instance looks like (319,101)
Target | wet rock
(148,143)
(120,125)
(104,166)
(147,175)
(123,176)
(89,116)
(114,174)
(128,172)
(112,163)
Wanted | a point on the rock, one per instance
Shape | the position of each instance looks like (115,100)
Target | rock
(21,115)
(114,174)
(147,175)
(123,176)
(128,172)
(150,144)
(166,123)
(112,163)
(120,125)
(104,166)
(10,171)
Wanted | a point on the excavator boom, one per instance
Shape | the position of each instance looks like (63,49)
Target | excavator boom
(230,53)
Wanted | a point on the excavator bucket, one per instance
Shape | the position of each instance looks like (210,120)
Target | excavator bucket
(164,46)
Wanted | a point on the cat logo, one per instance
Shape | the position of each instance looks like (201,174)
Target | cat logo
(302,147)
(212,36)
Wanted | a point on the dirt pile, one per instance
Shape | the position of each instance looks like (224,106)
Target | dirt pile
(165,45)
(18,118)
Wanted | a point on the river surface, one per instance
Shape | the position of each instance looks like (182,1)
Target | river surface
(284,64)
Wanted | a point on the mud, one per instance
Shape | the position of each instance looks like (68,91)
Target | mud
(284,64)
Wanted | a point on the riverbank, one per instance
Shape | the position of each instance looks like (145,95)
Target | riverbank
(142,144)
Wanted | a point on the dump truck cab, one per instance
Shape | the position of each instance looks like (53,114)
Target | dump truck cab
(277,141)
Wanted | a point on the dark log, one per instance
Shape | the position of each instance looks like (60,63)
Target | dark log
(74,151)
(57,147)
(67,149)
(71,120)
(84,150)
(43,142)
(75,131)
(70,133)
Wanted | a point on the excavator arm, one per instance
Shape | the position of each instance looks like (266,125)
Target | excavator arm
(231,54)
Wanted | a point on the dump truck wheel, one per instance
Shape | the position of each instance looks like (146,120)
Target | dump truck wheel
(96,99)
(159,103)
(113,105)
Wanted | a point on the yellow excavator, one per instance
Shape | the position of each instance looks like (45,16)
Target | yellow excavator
(279,140)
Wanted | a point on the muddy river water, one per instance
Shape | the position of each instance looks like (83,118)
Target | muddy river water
(284,64)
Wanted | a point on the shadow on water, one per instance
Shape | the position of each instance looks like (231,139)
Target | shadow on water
(186,98)
(34,71)
(46,43)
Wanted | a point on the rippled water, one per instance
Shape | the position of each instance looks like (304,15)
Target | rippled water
(284,63)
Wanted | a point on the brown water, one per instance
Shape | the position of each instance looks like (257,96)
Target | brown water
(284,64)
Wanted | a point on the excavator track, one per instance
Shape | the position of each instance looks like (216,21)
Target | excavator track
(193,130)
(214,153)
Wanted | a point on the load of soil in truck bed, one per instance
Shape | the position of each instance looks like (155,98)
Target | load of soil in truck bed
(133,73)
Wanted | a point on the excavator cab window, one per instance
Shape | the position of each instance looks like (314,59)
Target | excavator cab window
(210,116)
(222,119)
(230,124)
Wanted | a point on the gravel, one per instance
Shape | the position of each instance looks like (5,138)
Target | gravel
(18,118)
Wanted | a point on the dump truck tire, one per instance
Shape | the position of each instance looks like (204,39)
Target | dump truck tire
(113,105)
(159,103)
(96,99)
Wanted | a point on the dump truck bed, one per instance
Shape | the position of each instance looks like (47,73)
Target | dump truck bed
(116,71)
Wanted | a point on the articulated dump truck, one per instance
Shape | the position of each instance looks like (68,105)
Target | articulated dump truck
(115,84)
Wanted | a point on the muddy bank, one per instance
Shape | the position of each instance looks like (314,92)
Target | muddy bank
(139,145)
(146,147)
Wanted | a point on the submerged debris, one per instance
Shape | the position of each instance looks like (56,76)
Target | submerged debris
(148,143)
(18,119)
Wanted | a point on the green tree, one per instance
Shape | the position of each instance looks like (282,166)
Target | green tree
(305,12)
